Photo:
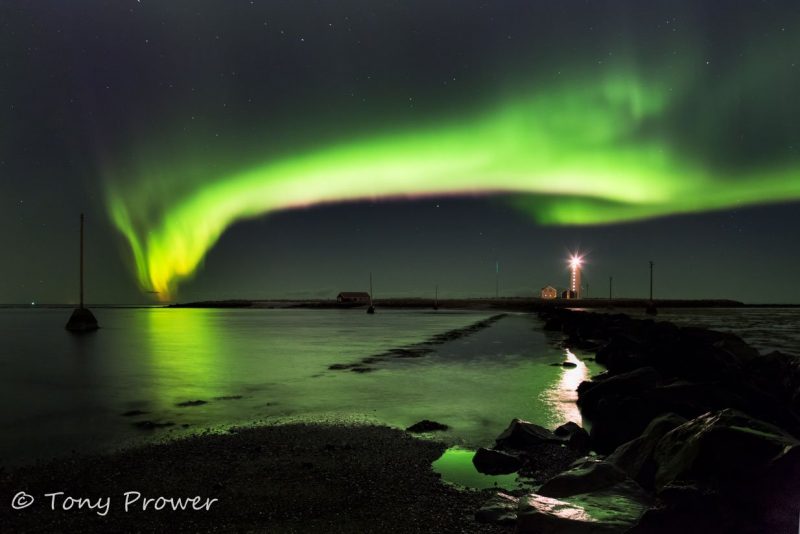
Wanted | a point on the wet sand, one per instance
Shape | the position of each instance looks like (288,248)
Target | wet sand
(299,477)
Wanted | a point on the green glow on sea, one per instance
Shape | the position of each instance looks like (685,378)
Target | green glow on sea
(595,151)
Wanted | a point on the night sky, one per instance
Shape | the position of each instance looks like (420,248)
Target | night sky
(278,149)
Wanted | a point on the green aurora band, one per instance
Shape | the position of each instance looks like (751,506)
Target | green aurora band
(576,154)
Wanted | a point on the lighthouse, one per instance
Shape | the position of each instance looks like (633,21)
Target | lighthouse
(575,263)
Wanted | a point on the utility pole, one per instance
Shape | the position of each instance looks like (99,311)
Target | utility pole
(610,286)
(651,280)
(81,267)
(497,279)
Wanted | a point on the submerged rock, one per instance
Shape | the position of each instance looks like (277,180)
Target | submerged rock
(427,425)
(152,425)
(492,462)
(185,404)
(499,510)
(342,366)
(133,413)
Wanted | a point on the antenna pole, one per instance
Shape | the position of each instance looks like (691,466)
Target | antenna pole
(81,262)
(497,280)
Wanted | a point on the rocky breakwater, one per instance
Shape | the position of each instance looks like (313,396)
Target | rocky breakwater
(691,430)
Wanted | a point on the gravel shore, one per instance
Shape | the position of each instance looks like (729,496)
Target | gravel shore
(300,477)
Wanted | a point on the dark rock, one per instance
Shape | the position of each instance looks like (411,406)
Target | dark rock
(342,366)
(427,426)
(134,413)
(613,510)
(617,407)
(569,365)
(361,369)
(521,435)
(635,457)
(622,354)
(492,462)
(499,510)
(185,404)
(152,425)
(630,383)
(588,478)
(690,508)
(722,448)
(575,436)
(553,325)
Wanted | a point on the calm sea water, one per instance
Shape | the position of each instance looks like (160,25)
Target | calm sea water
(766,329)
(59,392)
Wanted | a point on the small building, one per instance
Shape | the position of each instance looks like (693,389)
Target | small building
(569,294)
(549,292)
(353,297)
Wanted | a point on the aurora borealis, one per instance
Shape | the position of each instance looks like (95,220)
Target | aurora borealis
(584,114)
(575,141)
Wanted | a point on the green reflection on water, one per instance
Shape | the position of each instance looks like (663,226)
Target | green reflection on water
(185,354)
(456,467)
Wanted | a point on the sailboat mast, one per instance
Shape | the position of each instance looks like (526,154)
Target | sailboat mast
(81,263)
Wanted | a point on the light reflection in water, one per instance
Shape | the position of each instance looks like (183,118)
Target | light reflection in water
(185,354)
(455,465)
(562,397)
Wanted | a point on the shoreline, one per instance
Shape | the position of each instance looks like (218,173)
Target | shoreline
(690,428)
(295,477)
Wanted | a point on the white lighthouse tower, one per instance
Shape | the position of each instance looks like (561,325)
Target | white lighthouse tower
(575,263)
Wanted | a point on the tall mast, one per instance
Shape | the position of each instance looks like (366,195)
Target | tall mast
(82,319)
(81,262)
(497,279)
